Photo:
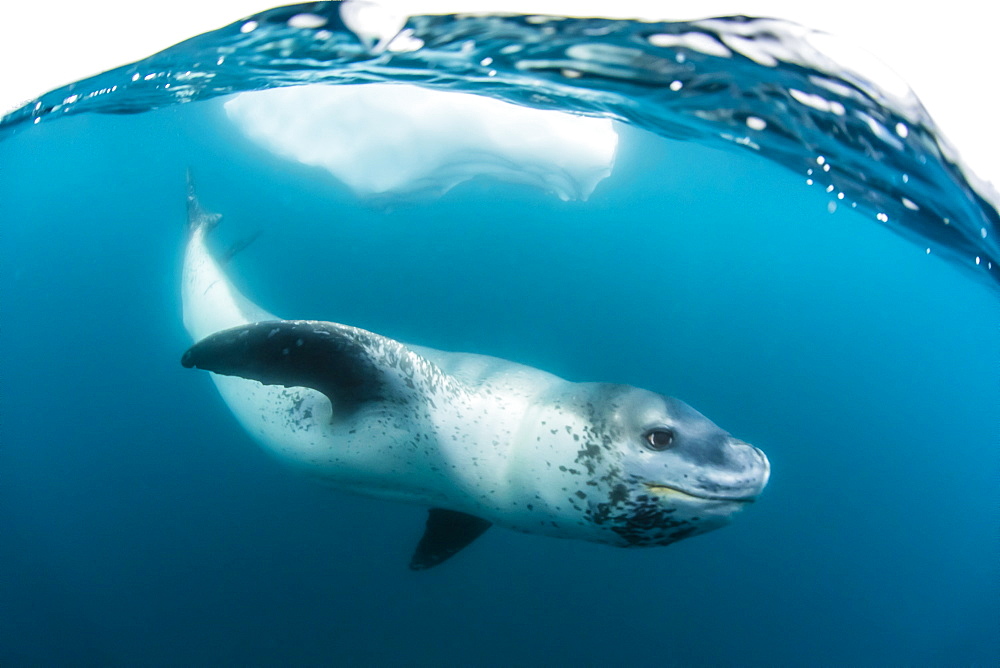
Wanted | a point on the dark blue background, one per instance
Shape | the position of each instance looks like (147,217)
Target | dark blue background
(140,525)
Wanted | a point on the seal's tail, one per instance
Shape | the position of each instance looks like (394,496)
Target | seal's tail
(198,218)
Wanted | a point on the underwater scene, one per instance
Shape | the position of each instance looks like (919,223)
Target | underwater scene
(495,341)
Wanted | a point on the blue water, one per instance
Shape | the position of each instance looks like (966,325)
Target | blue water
(139,525)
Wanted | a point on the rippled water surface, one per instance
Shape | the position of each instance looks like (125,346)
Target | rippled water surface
(739,221)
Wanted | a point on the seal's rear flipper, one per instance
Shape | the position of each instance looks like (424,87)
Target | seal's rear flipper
(335,359)
(447,532)
(197,217)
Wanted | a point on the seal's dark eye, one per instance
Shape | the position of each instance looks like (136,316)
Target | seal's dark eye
(659,439)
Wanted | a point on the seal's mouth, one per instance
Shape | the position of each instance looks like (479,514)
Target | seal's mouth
(666,491)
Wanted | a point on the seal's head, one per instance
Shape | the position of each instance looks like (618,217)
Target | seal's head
(668,472)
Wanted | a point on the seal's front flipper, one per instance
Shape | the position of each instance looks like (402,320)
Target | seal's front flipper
(239,246)
(447,532)
(335,359)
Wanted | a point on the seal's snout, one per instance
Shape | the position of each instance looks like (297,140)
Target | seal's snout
(187,359)
(766,466)
(751,464)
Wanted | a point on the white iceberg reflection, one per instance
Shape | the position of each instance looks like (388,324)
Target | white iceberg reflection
(403,141)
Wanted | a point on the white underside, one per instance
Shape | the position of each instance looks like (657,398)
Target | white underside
(361,457)
(491,452)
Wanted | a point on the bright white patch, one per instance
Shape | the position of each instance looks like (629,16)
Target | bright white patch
(752,49)
(695,41)
(404,42)
(307,21)
(817,102)
(372,22)
(402,140)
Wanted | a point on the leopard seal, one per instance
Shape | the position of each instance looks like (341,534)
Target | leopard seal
(478,440)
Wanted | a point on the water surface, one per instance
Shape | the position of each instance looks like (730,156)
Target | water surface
(142,526)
